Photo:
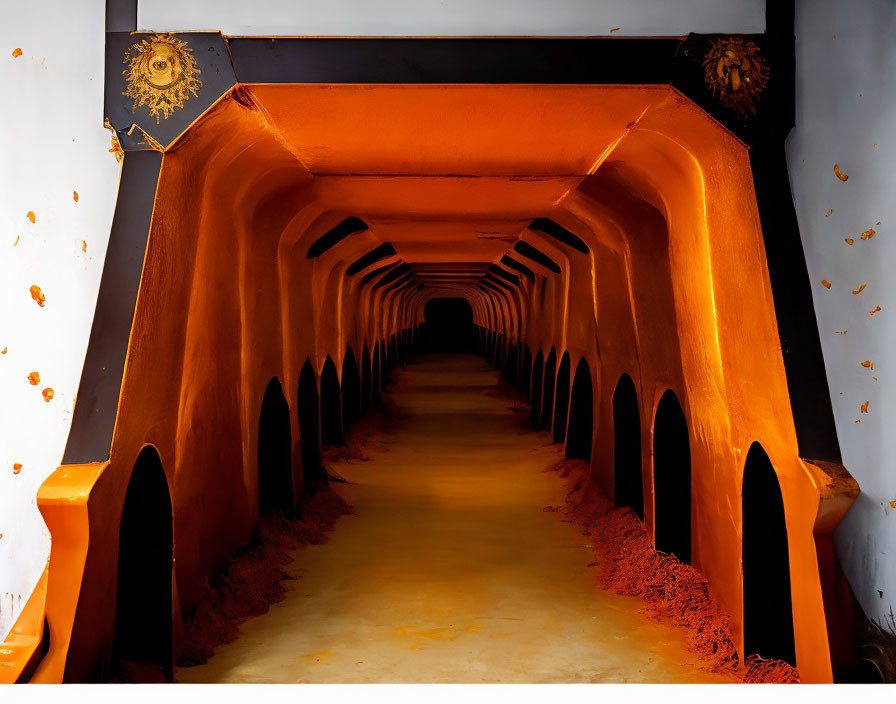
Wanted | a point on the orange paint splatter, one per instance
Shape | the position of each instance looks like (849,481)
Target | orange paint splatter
(829,213)
(3,351)
(860,95)
(839,174)
(17,467)
(825,283)
(864,407)
(615,29)
(840,332)
(874,377)
(893,503)
(34,378)
(18,237)
(48,394)
(16,53)
(858,421)
(31,216)
(849,241)
(859,290)
(83,245)
(877,223)
(38,295)
(868,234)
(75,195)
(876,310)
(868,364)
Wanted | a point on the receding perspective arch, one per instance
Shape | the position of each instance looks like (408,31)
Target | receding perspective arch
(672,479)
(274,452)
(308,409)
(331,431)
(627,254)
(535,394)
(366,380)
(525,379)
(768,608)
(561,402)
(547,395)
(143,609)
(351,391)
(581,415)
(628,484)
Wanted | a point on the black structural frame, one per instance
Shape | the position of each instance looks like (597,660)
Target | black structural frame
(599,60)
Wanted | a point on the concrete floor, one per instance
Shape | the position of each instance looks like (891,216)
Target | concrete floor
(449,570)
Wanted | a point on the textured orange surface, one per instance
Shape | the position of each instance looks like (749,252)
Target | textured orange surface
(675,292)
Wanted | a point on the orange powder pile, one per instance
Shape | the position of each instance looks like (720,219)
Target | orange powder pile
(250,580)
(673,592)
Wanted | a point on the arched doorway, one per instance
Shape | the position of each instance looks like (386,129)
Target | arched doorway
(768,610)
(331,432)
(535,393)
(512,365)
(561,402)
(274,452)
(309,430)
(449,325)
(143,608)
(547,395)
(366,383)
(581,415)
(526,373)
(376,378)
(628,484)
(672,479)
(351,390)
(384,365)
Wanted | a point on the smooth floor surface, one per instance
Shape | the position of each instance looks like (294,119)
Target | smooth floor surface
(449,570)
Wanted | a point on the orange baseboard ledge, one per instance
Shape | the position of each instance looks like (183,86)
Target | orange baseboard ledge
(62,500)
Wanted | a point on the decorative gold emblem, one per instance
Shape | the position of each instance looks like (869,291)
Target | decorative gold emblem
(161,74)
(737,74)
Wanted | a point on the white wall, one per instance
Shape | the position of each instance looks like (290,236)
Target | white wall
(454,17)
(846,104)
(52,143)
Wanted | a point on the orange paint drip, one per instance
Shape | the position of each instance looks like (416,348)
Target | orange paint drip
(829,213)
(3,351)
(868,234)
(876,310)
(893,503)
(615,29)
(16,53)
(839,174)
(34,378)
(825,283)
(38,295)
(75,196)
(17,467)
(864,407)
(859,290)
(31,216)
(849,241)
(868,364)
(47,394)
(18,237)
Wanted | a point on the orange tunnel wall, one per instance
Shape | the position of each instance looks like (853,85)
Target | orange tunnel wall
(674,292)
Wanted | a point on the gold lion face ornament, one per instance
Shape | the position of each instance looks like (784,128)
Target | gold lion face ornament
(161,74)
(737,74)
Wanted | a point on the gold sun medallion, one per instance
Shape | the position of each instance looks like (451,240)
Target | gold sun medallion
(737,74)
(161,74)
